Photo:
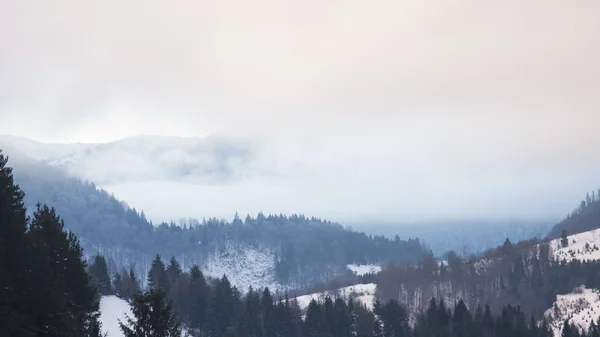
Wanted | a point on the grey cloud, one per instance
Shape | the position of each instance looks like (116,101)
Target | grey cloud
(390,106)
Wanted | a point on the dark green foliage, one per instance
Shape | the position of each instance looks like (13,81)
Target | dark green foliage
(153,316)
(44,287)
(198,296)
(98,271)
(157,276)
(15,278)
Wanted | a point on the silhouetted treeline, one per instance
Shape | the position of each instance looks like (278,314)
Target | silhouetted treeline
(216,308)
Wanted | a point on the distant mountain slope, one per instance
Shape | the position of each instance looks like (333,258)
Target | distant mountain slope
(584,218)
(273,250)
(466,237)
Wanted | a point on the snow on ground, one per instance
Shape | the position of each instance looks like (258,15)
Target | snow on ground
(113,309)
(582,246)
(362,269)
(582,306)
(244,267)
(363,293)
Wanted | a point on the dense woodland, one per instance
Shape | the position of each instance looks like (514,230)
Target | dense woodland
(216,308)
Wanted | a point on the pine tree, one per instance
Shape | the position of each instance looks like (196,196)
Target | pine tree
(153,316)
(266,307)
(157,276)
(67,303)
(221,311)
(199,294)
(174,271)
(250,324)
(15,278)
(98,271)
(315,323)
(117,285)
(133,284)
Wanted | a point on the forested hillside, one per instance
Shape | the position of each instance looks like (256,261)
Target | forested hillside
(288,250)
(583,218)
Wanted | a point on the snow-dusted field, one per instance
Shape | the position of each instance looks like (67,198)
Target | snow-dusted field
(582,246)
(362,269)
(363,293)
(113,309)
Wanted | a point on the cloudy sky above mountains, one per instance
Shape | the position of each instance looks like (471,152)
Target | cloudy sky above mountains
(399,106)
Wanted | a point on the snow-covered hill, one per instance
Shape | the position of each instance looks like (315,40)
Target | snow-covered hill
(582,306)
(363,293)
(363,269)
(582,246)
(113,310)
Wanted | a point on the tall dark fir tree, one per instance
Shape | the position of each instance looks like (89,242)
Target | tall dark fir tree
(153,316)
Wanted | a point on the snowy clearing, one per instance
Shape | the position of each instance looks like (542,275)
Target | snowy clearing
(363,293)
(113,309)
(582,246)
(362,269)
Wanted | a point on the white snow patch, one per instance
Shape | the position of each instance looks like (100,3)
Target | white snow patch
(362,269)
(244,267)
(582,306)
(113,309)
(363,293)
(582,246)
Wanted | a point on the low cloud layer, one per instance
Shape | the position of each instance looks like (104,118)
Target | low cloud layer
(430,109)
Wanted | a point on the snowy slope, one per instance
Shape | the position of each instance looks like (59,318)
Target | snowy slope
(363,293)
(244,267)
(362,269)
(113,309)
(581,307)
(582,246)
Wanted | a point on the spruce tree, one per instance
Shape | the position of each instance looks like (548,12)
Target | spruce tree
(133,284)
(153,316)
(15,263)
(157,276)
(199,294)
(67,303)
(98,271)
(117,285)
(174,271)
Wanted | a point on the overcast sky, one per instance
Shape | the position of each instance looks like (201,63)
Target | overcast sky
(477,101)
